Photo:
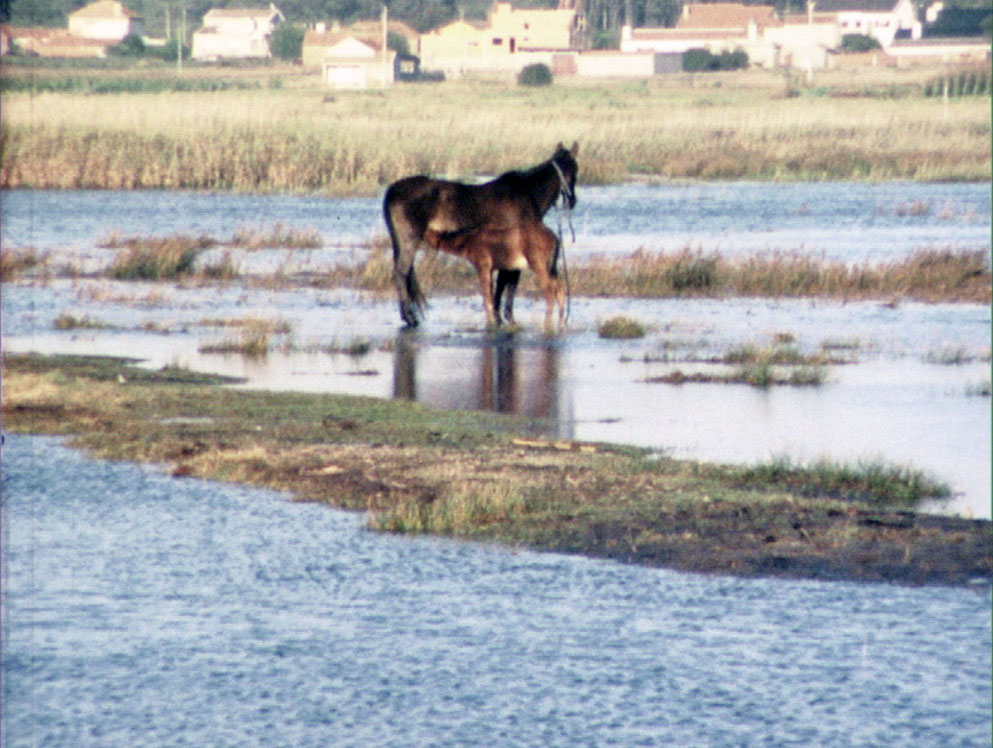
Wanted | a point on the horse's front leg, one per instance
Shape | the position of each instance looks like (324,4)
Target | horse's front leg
(506,281)
(485,272)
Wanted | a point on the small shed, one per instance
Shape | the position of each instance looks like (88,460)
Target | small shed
(353,63)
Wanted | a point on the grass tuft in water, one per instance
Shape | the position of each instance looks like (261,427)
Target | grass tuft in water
(621,327)
(15,262)
(149,258)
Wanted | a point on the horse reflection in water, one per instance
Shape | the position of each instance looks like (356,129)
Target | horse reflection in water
(499,376)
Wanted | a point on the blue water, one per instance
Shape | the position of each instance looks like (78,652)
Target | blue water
(143,610)
(853,222)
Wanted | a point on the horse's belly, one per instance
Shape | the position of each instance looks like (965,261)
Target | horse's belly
(514,262)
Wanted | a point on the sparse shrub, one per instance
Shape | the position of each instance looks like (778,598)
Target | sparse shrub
(858,43)
(130,46)
(699,59)
(538,74)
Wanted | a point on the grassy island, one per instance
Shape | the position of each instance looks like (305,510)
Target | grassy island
(472,475)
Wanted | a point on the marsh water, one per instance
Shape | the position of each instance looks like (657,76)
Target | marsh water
(139,609)
(917,396)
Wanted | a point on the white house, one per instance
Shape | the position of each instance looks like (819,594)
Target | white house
(355,63)
(233,33)
(105,20)
(880,19)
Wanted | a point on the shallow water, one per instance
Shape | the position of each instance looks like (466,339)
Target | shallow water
(895,404)
(140,609)
(854,222)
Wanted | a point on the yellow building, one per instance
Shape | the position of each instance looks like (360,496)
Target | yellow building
(509,39)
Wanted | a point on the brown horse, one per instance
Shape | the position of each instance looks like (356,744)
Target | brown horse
(450,211)
(508,250)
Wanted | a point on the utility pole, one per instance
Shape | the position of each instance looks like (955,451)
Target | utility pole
(182,37)
(386,55)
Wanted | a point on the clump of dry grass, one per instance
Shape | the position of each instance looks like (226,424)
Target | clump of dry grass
(155,258)
(253,338)
(16,261)
(277,236)
(68,321)
(461,509)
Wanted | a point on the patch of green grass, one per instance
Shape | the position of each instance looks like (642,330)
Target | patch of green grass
(872,481)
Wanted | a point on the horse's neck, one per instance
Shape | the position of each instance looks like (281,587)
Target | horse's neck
(543,183)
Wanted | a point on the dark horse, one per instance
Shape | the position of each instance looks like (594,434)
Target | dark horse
(421,211)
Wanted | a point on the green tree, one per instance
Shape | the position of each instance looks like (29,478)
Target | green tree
(286,42)
(130,46)
(858,43)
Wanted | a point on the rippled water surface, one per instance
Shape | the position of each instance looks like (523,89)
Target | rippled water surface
(140,609)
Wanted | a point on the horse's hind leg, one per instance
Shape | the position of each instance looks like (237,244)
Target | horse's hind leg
(405,239)
(506,281)
(486,289)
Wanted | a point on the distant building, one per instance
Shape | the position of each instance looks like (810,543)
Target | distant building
(883,20)
(49,42)
(317,42)
(235,33)
(354,63)
(105,20)
(508,40)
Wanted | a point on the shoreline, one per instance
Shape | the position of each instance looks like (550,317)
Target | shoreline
(470,475)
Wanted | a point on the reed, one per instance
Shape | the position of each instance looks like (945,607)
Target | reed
(720,127)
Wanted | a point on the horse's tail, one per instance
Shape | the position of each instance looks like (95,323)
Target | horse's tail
(405,241)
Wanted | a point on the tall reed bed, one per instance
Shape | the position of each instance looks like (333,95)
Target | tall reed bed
(930,275)
(927,275)
(357,142)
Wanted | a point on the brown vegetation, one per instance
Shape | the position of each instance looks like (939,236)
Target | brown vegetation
(732,126)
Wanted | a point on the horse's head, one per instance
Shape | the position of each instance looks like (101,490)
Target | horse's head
(565,164)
